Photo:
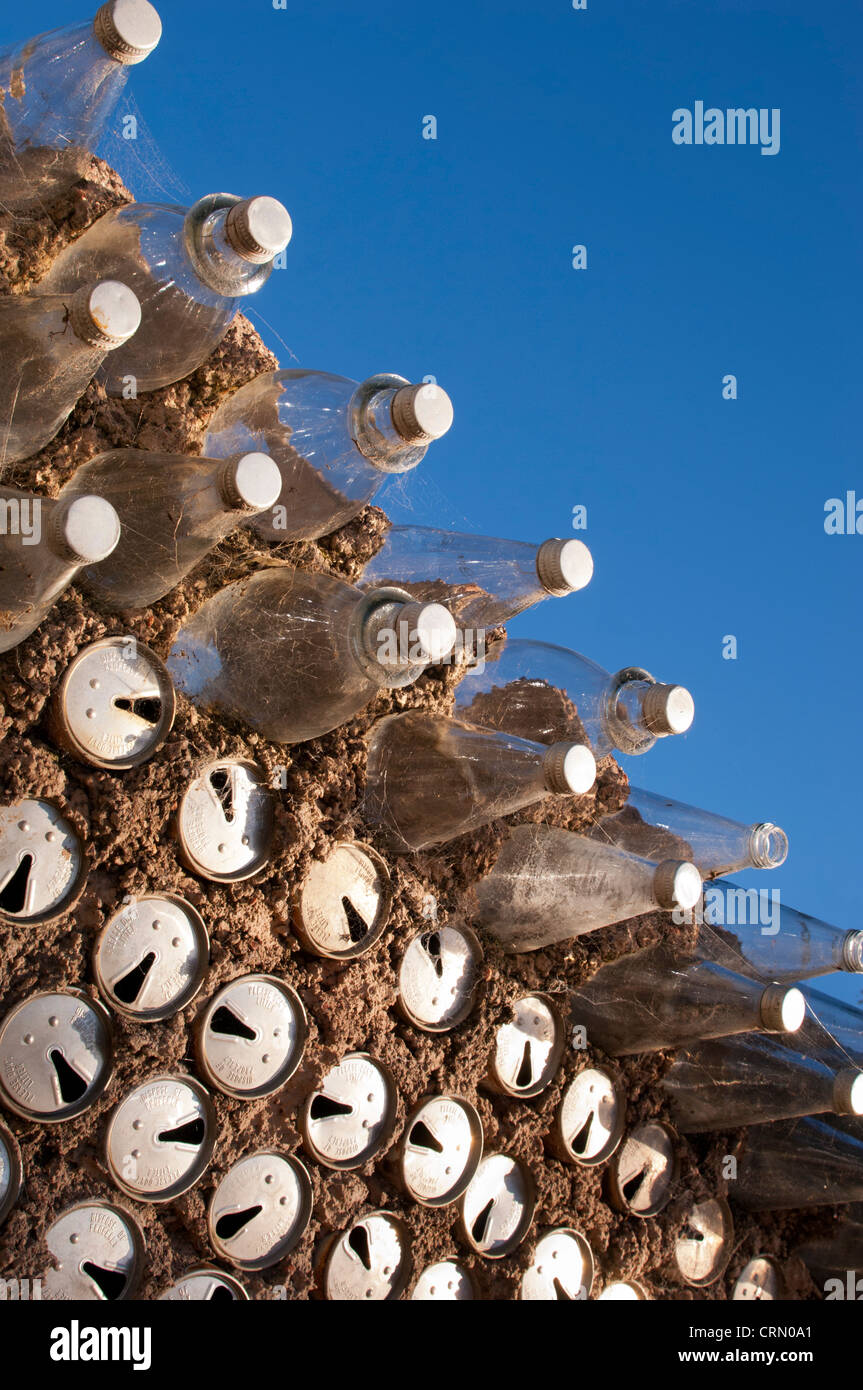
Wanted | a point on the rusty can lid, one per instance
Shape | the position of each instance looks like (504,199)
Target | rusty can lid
(497,1209)
(351,1115)
(438,976)
(42,864)
(251,1035)
(98,1253)
(703,1247)
(55,1056)
(160,1138)
(643,1170)
(441,1150)
(10,1172)
(562,1268)
(446,1282)
(528,1049)
(151,958)
(369,1262)
(591,1117)
(226,821)
(116,704)
(624,1291)
(344,902)
(205,1285)
(759,1281)
(260,1210)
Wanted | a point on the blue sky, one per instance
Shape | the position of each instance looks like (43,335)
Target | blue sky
(600,387)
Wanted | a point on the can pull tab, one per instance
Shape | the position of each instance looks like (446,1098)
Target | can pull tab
(358,1242)
(358,927)
(110,1283)
(70,1083)
(581,1139)
(230,1225)
(421,1137)
(187,1134)
(128,987)
(147,708)
(482,1222)
(15,893)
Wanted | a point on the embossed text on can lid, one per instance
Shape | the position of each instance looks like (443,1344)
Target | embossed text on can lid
(151,958)
(643,1170)
(251,1035)
(446,1282)
(441,1150)
(225,821)
(10,1172)
(260,1210)
(562,1268)
(116,704)
(351,1116)
(497,1209)
(591,1117)
(438,976)
(160,1138)
(344,902)
(98,1254)
(42,864)
(704,1244)
(55,1056)
(369,1262)
(205,1285)
(528,1049)
(759,1281)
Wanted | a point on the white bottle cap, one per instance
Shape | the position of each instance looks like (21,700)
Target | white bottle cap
(90,529)
(422,413)
(677,884)
(668,709)
(848,1092)
(258,229)
(435,629)
(128,30)
(253,482)
(105,315)
(782,1010)
(564,567)
(570,769)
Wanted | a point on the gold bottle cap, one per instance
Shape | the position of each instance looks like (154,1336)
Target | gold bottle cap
(258,229)
(564,567)
(422,413)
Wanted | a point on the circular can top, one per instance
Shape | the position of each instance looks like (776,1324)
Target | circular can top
(160,1139)
(151,958)
(438,977)
(55,1056)
(759,1281)
(10,1172)
(116,704)
(591,1117)
(441,1150)
(226,821)
(42,865)
(625,1291)
(562,1268)
(351,1115)
(344,902)
(98,1253)
(528,1050)
(497,1209)
(251,1035)
(446,1282)
(205,1285)
(370,1261)
(703,1248)
(260,1210)
(644,1168)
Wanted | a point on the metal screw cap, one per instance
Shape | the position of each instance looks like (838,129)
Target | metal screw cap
(497,1209)
(258,229)
(562,1268)
(667,709)
(703,1248)
(225,821)
(643,1170)
(42,864)
(441,1150)
(564,566)
(446,1282)
(251,1035)
(782,1010)
(205,1285)
(115,706)
(591,1118)
(422,413)
(369,1262)
(151,958)
(260,1210)
(55,1056)
(570,769)
(88,529)
(343,904)
(105,315)
(677,884)
(160,1138)
(351,1115)
(128,30)
(759,1281)
(528,1050)
(438,977)
(98,1253)
(252,483)
(11,1173)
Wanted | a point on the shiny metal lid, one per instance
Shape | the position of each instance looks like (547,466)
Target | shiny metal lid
(251,1035)
(703,1247)
(98,1252)
(205,1285)
(446,1282)
(260,1210)
(160,1139)
(344,902)
(643,1170)
(151,958)
(351,1116)
(42,864)
(528,1049)
(497,1209)
(115,705)
(225,821)
(441,1150)
(626,1291)
(438,976)
(10,1172)
(370,1261)
(759,1281)
(562,1268)
(591,1117)
(55,1056)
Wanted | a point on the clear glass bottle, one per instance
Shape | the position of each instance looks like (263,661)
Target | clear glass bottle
(191,271)
(58,91)
(551,885)
(656,827)
(335,441)
(50,348)
(549,694)
(43,545)
(807,1162)
(753,1078)
(484,582)
(173,510)
(654,999)
(833,1031)
(751,930)
(294,654)
(429,779)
